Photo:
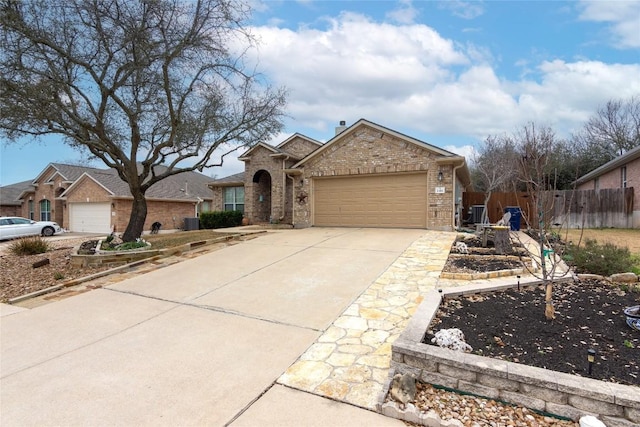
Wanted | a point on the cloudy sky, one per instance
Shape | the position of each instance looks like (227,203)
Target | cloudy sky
(446,72)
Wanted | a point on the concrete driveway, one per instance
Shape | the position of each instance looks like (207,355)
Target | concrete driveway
(200,342)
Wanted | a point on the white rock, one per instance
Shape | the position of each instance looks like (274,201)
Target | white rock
(591,421)
(452,339)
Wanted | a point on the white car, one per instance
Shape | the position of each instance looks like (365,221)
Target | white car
(13,226)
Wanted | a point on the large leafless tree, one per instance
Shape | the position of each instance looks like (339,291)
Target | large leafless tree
(495,168)
(610,132)
(136,83)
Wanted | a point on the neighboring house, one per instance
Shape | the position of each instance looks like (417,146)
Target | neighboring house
(10,205)
(621,172)
(366,176)
(87,199)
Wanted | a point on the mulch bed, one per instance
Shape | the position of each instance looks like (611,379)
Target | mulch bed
(511,325)
(472,264)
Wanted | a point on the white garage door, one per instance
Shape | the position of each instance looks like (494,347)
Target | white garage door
(371,201)
(90,217)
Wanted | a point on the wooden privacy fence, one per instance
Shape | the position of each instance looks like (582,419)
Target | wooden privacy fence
(610,207)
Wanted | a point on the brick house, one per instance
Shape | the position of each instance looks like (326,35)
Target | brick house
(10,205)
(86,199)
(366,176)
(621,172)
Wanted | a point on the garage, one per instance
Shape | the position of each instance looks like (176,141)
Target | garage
(90,217)
(390,200)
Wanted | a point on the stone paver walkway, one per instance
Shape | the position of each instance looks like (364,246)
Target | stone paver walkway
(350,361)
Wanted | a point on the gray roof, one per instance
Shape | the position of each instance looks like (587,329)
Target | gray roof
(630,155)
(231,179)
(71,172)
(183,186)
(9,193)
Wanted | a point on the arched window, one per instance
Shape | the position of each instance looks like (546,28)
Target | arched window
(45,210)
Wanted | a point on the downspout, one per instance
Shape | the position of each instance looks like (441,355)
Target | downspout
(284,188)
(199,200)
(293,200)
(453,199)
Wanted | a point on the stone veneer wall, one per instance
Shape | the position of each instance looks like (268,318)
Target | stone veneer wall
(536,388)
(366,151)
(271,206)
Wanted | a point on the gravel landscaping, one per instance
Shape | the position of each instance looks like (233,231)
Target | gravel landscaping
(19,277)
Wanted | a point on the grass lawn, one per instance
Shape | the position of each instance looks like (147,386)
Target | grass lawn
(168,240)
(629,237)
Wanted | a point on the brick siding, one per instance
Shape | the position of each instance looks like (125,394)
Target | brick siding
(365,151)
(170,214)
(361,151)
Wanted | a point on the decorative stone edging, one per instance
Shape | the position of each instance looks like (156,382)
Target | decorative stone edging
(482,275)
(536,388)
(126,257)
(491,274)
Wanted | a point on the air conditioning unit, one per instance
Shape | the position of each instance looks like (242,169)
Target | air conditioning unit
(476,213)
(191,224)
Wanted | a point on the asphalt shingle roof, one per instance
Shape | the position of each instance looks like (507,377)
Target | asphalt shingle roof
(238,177)
(9,193)
(184,186)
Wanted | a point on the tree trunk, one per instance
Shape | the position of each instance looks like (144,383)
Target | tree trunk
(502,242)
(485,209)
(549,311)
(137,218)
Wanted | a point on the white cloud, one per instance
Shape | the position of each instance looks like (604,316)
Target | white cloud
(412,79)
(463,9)
(624,17)
(467,151)
(404,14)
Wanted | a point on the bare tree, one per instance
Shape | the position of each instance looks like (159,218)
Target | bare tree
(536,147)
(136,83)
(494,167)
(613,130)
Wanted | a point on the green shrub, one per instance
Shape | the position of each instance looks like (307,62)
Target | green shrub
(635,259)
(594,258)
(29,246)
(127,246)
(58,275)
(220,219)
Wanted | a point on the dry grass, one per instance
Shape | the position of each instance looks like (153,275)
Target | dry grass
(168,240)
(620,237)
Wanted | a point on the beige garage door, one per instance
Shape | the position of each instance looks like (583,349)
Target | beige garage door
(371,201)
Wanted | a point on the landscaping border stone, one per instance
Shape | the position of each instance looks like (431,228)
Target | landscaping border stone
(540,389)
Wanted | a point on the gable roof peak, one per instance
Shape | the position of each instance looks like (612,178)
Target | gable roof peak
(383,130)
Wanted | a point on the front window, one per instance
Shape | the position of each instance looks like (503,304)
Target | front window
(31,211)
(45,210)
(623,177)
(234,199)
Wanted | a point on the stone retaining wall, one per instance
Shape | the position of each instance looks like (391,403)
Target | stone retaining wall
(536,388)
(115,258)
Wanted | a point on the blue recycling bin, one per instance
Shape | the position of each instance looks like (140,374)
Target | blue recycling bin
(516,216)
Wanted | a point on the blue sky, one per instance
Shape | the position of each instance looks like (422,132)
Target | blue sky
(447,72)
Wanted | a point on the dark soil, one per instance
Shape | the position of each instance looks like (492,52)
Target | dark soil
(480,264)
(511,325)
